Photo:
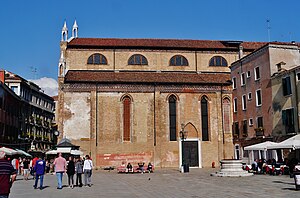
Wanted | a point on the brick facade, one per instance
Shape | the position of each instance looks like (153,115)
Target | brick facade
(91,108)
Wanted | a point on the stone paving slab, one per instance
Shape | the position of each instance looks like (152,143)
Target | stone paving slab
(163,183)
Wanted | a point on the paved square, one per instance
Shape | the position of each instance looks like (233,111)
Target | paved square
(163,183)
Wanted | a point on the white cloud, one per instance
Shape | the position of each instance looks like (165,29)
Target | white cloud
(48,85)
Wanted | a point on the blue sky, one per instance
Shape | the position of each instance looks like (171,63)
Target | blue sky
(30,30)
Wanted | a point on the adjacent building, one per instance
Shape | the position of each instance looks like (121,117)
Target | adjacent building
(36,114)
(265,96)
(10,114)
(163,101)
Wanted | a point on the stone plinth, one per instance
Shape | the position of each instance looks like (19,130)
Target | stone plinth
(231,168)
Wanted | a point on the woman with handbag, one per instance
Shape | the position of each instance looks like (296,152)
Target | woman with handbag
(87,170)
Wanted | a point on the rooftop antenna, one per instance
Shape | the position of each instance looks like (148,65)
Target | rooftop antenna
(269,29)
(34,72)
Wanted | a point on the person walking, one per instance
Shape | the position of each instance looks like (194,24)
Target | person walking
(39,169)
(15,163)
(79,171)
(7,176)
(32,165)
(87,170)
(26,163)
(71,172)
(60,164)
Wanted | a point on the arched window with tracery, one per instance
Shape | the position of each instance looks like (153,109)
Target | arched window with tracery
(172,117)
(204,119)
(97,59)
(218,61)
(126,118)
(137,59)
(178,60)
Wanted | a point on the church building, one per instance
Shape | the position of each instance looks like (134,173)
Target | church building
(164,101)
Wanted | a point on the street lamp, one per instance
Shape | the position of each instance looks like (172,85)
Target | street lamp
(56,133)
(183,135)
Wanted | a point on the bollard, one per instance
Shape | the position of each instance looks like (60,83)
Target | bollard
(297,180)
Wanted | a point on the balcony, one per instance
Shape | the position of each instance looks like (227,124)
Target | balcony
(259,132)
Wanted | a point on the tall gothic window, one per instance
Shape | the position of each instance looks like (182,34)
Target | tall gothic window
(178,60)
(226,115)
(126,118)
(172,117)
(137,59)
(97,59)
(204,119)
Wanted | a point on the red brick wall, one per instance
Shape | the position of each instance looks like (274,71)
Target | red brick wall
(118,159)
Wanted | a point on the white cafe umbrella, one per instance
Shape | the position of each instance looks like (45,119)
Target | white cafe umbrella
(51,152)
(76,152)
(8,151)
(291,143)
(260,146)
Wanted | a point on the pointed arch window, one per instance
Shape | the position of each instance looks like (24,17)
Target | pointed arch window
(204,119)
(137,59)
(178,60)
(97,59)
(126,118)
(218,61)
(226,115)
(172,117)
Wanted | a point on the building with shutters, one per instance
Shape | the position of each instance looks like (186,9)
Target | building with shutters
(265,97)
(36,133)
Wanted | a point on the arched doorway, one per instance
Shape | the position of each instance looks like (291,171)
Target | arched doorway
(190,147)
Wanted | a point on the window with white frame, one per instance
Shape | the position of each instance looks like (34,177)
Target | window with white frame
(243,80)
(256,73)
(250,121)
(248,74)
(244,104)
(258,98)
(234,83)
(235,105)
(249,96)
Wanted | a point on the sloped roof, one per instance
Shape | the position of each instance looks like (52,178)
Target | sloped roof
(66,143)
(161,43)
(146,77)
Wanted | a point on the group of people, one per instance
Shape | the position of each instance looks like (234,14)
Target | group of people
(274,167)
(70,167)
(38,166)
(129,168)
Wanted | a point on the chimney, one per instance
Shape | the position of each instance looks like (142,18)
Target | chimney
(279,68)
(2,76)
(240,51)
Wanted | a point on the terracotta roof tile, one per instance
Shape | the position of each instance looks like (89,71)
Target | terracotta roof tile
(160,43)
(146,77)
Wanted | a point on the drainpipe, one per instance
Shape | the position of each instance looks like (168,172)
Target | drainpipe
(154,116)
(196,61)
(96,116)
(114,66)
(297,99)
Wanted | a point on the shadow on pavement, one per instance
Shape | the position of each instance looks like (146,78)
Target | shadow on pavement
(281,182)
(293,189)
